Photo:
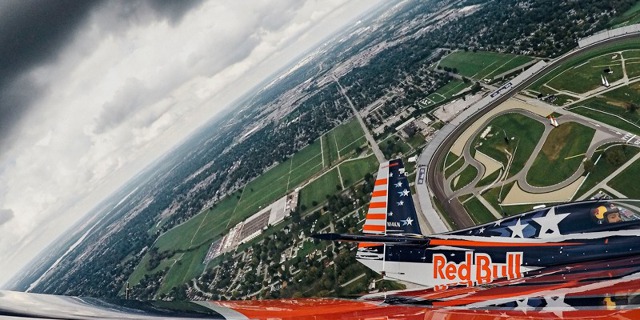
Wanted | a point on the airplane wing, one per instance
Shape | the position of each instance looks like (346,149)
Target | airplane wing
(606,289)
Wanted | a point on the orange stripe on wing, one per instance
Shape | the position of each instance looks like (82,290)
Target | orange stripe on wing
(369,244)
(379,193)
(380,182)
(377,205)
(368,227)
(471,243)
(376,216)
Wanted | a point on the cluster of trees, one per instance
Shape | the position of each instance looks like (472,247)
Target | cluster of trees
(535,27)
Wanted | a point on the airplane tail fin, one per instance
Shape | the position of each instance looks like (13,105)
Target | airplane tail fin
(391,220)
(391,209)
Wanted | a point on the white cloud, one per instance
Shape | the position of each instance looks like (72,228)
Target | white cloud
(123,92)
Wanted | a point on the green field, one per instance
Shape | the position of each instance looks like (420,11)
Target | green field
(526,133)
(139,273)
(478,212)
(453,167)
(587,76)
(343,140)
(447,91)
(318,190)
(495,195)
(618,102)
(195,235)
(561,154)
(482,64)
(187,267)
(489,179)
(583,57)
(604,168)
(625,182)
(629,17)
(201,228)
(632,63)
(562,99)
(608,119)
(449,159)
(354,171)
(466,176)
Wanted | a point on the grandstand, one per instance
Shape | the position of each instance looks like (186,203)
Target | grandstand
(252,227)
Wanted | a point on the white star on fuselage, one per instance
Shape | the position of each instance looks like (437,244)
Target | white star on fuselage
(404,193)
(556,305)
(407,221)
(523,305)
(516,229)
(399,184)
(550,222)
(400,203)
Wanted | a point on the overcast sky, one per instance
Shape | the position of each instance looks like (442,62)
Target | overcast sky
(92,91)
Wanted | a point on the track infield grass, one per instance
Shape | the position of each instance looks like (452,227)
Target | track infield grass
(561,154)
(482,64)
(524,134)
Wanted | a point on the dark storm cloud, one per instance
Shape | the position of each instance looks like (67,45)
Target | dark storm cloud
(173,10)
(33,32)
(5,215)
(131,96)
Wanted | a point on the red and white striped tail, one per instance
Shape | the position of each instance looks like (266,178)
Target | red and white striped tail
(377,214)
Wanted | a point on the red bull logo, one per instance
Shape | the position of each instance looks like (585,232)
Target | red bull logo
(476,269)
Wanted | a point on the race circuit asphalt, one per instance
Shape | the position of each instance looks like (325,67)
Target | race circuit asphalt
(435,177)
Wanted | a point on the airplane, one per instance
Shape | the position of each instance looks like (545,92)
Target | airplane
(509,248)
(553,121)
(570,261)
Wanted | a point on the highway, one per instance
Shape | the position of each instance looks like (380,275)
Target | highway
(434,176)
(367,134)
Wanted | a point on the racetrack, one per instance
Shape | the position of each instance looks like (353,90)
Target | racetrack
(435,178)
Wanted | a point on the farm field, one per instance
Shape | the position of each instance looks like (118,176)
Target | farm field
(482,64)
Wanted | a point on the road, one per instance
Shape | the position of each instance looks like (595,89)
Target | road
(435,180)
(604,135)
(367,134)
